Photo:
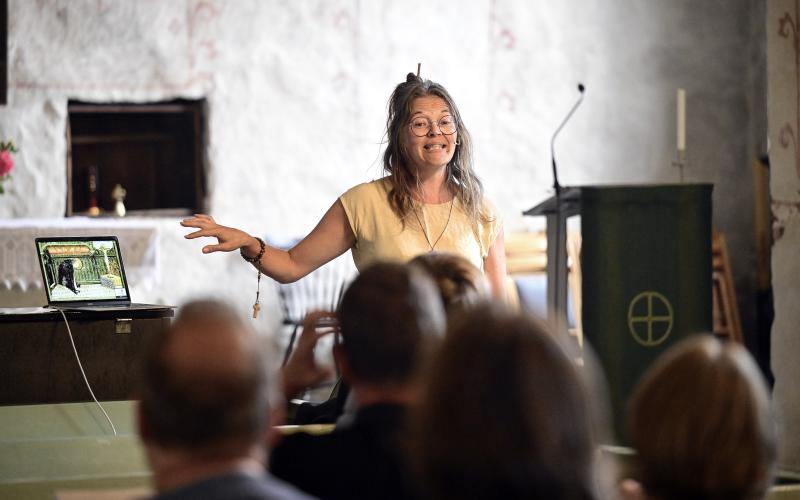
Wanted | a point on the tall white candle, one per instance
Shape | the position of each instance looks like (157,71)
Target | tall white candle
(681,120)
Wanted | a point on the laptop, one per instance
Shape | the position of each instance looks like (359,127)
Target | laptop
(85,273)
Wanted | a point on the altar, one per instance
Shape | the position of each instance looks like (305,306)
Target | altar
(19,268)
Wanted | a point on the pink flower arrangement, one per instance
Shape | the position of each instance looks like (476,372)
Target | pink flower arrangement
(6,162)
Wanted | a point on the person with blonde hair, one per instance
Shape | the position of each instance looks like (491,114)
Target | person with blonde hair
(429,201)
(701,424)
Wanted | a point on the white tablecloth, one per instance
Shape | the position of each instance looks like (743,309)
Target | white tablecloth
(19,266)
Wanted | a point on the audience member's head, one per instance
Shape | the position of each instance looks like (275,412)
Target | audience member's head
(461,284)
(391,316)
(506,414)
(701,424)
(205,394)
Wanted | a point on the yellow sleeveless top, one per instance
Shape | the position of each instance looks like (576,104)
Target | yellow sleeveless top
(381,235)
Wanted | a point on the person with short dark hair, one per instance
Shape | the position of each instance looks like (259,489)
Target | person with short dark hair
(701,424)
(461,286)
(204,409)
(505,415)
(390,320)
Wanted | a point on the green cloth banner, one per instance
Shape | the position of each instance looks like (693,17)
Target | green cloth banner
(646,265)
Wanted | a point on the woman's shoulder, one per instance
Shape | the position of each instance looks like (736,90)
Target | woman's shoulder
(491,223)
(367,190)
(365,204)
(489,210)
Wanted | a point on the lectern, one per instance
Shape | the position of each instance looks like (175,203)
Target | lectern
(646,273)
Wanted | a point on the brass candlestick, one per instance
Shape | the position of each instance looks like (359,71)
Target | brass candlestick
(94,209)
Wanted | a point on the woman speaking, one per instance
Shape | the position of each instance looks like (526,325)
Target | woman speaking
(429,201)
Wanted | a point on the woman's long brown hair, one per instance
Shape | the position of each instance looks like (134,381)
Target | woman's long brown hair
(461,179)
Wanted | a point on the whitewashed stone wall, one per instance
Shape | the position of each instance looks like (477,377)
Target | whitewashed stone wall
(783,34)
(297,94)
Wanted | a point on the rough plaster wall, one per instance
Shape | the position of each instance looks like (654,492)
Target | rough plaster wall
(783,34)
(297,93)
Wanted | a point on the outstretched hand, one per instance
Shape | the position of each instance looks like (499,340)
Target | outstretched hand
(228,238)
(301,370)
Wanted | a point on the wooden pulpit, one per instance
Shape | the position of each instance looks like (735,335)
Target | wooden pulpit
(646,273)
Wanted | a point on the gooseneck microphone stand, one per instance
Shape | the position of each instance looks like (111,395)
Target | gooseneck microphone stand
(561,223)
(556,185)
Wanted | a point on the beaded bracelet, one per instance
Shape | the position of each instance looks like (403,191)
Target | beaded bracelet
(257,258)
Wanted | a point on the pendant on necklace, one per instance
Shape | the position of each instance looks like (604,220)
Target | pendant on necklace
(425,231)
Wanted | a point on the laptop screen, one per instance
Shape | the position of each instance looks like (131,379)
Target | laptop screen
(82,269)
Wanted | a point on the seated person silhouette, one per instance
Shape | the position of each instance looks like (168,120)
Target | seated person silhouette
(505,414)
(204,410)
(701,423)
(461,286)
(390,319)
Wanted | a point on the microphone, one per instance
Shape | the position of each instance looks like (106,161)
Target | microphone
(556,185)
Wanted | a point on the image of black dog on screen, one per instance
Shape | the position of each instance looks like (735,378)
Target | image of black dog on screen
(66,275)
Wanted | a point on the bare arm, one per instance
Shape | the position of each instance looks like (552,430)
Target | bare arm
(495,266)
(331,238)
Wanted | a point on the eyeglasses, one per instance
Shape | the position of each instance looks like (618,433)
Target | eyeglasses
(422,126)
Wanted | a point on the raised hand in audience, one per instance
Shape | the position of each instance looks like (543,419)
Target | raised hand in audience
(301,370)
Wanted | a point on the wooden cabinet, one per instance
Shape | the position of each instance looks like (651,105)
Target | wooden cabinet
(38,365)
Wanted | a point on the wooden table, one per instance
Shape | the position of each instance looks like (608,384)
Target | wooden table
(38,365)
